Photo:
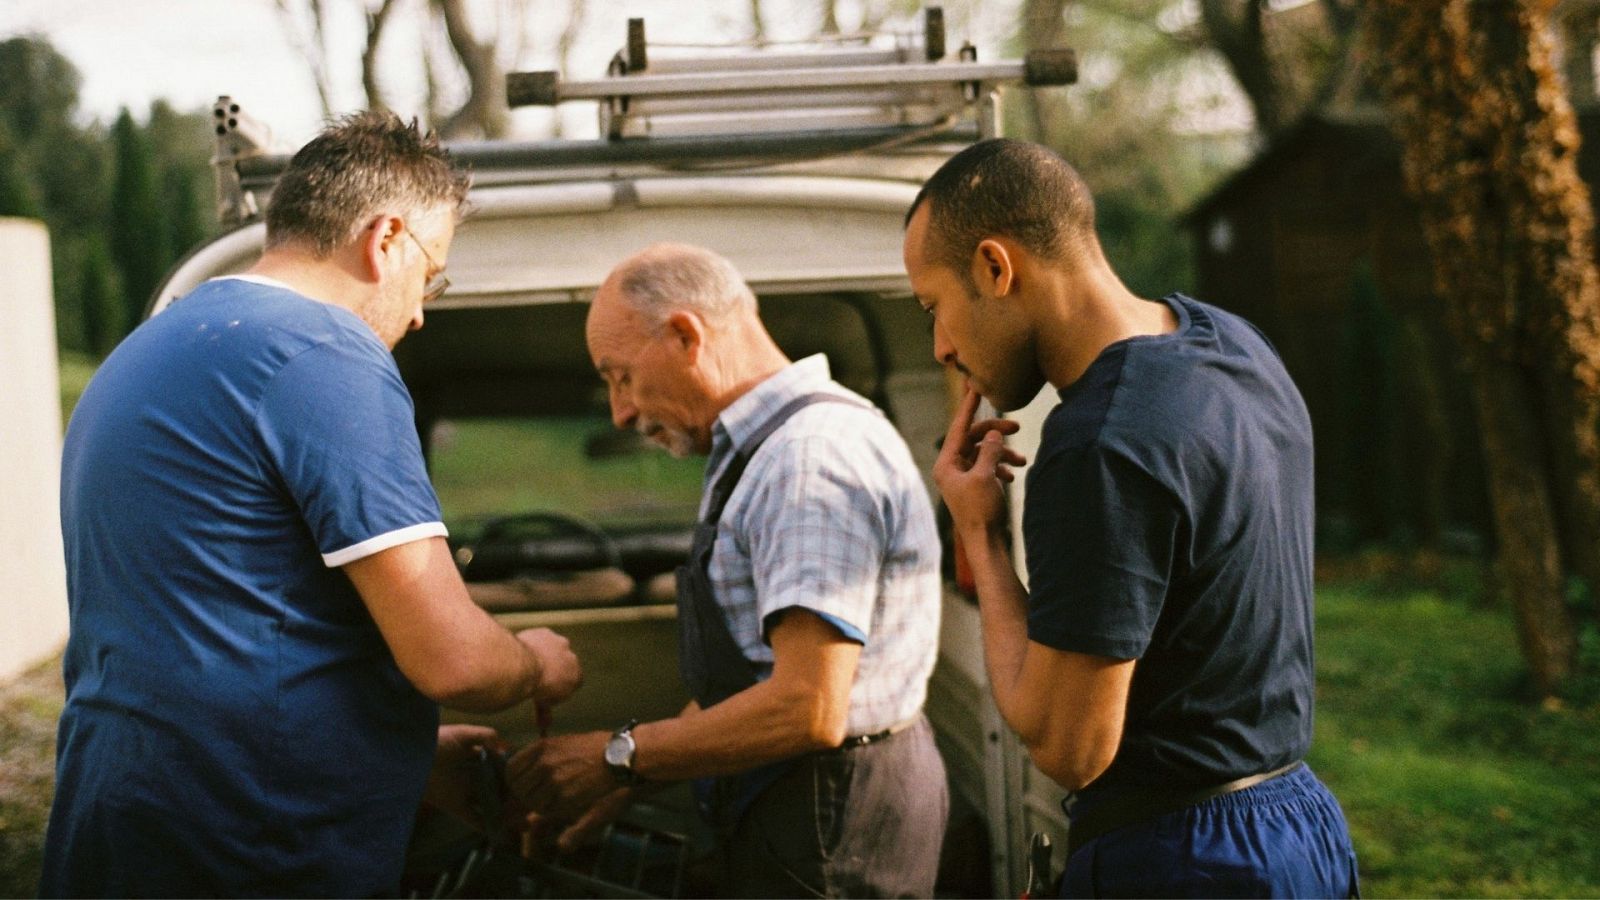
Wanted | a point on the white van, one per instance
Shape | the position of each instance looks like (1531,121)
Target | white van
(797,166)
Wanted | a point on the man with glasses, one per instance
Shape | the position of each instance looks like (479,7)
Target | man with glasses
(264,610)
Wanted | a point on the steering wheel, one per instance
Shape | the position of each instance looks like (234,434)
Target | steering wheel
(539,540)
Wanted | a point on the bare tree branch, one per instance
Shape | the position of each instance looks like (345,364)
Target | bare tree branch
(376,20)
(484,113)
(312,48)
(430,75)
(517,12)
(758,25)
(577,11)
(830,17)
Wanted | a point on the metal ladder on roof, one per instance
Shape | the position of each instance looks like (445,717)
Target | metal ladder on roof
(726,106)
(849,83)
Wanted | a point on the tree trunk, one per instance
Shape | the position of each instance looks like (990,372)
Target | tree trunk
(1238,31)
(1490,152)
(1529,547)
(577,10)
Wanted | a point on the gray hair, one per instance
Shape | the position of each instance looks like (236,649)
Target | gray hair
(665,278)
(365,165)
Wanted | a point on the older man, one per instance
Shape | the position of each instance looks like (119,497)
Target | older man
(264,611)
(809,610)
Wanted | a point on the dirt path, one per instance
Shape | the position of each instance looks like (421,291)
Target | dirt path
(29,708)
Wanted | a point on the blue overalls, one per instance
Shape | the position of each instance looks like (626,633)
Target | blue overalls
(710,662)
(864,819)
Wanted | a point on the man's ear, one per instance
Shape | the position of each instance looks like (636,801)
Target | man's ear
(381,239)
(994,267)
(688,331)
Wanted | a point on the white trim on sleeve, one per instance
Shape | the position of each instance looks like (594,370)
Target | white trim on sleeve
(383,542)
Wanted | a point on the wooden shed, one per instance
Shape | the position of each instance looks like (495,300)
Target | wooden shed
(1316,241)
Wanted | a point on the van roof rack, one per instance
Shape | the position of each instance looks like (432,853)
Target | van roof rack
(730,106)
(845,84)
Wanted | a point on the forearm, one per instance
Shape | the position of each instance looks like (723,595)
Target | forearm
(482,668)
(452,651)
(1067,708)
(763,724)
(1003,607)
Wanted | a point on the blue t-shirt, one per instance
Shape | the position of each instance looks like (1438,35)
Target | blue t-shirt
(235,723)
(1169,520)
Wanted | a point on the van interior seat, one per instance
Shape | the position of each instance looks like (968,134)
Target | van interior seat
(554,590)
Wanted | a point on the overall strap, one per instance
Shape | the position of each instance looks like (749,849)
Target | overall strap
(710,660)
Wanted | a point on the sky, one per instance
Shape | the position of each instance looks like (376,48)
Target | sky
(132,52)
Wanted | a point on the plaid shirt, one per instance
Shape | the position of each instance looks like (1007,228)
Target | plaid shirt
(832,516)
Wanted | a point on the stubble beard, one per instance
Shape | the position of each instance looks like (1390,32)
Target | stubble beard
(675,441)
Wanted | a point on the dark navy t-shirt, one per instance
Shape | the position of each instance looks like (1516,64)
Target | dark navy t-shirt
(1169,520)
(235,723)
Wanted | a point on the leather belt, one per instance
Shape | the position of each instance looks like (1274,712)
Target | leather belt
(861,740)
(1121,811)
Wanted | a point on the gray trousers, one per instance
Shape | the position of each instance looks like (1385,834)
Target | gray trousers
(859,822)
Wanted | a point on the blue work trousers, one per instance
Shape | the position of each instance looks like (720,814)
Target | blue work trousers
(1285,837)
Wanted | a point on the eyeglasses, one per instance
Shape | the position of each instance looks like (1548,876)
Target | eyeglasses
(439,283)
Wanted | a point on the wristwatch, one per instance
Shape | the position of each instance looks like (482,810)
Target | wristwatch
(619,753)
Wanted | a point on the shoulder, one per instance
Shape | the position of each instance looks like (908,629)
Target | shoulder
(303,347)
(829,450)
(1109,455)
(850,433)
(273,318)
(1087,405)
(1227,333)
(845,416)
(1133,414)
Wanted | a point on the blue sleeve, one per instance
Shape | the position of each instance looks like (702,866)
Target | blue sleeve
(1100,534)
(817,537)
(338,426)
(850,632)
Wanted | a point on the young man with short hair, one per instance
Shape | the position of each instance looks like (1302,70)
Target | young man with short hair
(1158,665)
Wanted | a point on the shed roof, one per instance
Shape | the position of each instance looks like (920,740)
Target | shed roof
(1363,127)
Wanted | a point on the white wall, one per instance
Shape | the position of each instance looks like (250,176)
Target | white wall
(33,587)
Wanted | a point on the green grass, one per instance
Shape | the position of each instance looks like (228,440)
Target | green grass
(1453,783)
(30,705)
(483,468)
(75,372)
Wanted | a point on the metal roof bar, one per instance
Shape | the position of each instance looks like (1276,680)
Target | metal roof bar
(669,152)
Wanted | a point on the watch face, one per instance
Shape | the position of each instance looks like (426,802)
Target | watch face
(619,750)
